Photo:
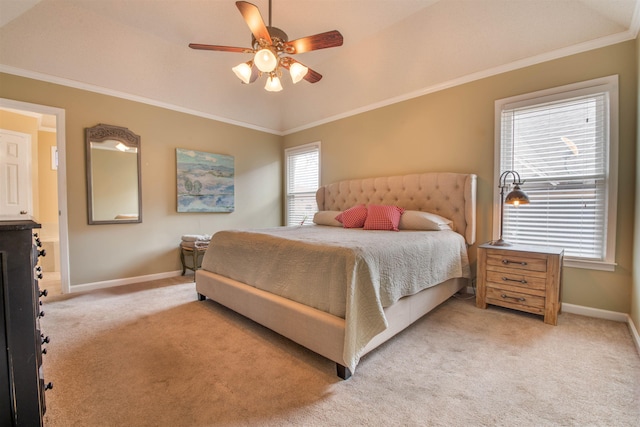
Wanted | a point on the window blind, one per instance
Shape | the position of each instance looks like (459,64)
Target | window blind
(303,180)
(560,150)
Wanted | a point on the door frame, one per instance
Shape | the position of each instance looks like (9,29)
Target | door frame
(61,138)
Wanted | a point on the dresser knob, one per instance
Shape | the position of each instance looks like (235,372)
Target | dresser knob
(45,340)
(44,293)
(48,386)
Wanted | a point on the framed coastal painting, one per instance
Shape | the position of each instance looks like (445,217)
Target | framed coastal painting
(205,181)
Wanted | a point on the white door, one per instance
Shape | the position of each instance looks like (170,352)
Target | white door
(15,175)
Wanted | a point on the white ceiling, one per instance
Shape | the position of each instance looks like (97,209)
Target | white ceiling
(393,49)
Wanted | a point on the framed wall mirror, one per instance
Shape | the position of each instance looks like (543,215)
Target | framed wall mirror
(114,187)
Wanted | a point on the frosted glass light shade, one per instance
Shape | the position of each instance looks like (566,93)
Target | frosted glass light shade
(273,84)
(297,71)
(265,60)
(243,71)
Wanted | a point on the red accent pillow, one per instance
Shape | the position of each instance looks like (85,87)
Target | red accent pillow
(383,217)
(353,217)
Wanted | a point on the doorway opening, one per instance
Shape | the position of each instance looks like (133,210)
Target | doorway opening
(48,183)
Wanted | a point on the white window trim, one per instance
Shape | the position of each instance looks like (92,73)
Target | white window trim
(610,84)
(287,152)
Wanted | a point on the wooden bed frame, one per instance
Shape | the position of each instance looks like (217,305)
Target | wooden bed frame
(451,195)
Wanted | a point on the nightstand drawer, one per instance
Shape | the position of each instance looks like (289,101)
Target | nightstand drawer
(517,300)
(514,278)
(515,261)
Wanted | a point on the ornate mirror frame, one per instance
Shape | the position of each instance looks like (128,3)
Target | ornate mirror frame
(102,133)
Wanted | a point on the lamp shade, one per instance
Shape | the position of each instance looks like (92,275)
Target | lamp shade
(273,84)
(243,71)
(517,197)
(297,71)
(265,60)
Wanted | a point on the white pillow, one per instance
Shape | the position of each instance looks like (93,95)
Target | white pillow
(327,218)
(418,220)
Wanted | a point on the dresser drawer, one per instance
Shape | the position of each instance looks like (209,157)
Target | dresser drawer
(516,261)
(517,300)
(516,278)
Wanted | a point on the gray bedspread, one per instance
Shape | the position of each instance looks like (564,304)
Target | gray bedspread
(350,273)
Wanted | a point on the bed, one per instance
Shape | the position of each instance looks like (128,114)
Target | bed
(325,286)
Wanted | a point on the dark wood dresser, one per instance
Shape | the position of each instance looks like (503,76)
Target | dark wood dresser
(22,384)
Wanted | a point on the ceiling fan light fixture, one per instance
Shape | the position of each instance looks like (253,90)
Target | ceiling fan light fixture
(273,84)
(265,60)
(243,71)
(268,47)
(297,71)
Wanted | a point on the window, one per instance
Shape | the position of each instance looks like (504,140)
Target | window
(563,143)
(303,180)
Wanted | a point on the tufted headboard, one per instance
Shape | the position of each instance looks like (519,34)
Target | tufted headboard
(451,195)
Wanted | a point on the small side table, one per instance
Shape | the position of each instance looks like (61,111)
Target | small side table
(193,255)
(521,277)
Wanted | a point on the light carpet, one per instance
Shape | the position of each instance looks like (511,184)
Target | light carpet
(150,354)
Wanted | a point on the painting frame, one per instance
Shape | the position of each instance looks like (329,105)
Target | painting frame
(205,181)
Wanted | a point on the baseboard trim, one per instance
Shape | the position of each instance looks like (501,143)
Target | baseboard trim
(566,308)
(634,333)
(605,314)
(119,282)
(594,312)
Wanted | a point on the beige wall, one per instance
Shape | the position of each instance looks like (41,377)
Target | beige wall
(453,130)
(635,291)
(47,180)
(108,252)
(450,130)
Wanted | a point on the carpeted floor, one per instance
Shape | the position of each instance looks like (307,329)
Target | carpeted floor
(150,354)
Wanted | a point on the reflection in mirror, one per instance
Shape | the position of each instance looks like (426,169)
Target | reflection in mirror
(113,175)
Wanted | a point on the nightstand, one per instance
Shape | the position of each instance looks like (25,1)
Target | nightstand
(193,254)
(521,277)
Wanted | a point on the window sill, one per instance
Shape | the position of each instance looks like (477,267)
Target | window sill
(590,265)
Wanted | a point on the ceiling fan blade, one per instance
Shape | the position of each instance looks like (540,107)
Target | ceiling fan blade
(319,41)
(255,73)
(251,15)
(220,48)
(311,76)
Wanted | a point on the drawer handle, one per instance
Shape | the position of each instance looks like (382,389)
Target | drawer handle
(506,279)
(507,262)
(520,299)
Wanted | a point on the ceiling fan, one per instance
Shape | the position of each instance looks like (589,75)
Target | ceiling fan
(270,45)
